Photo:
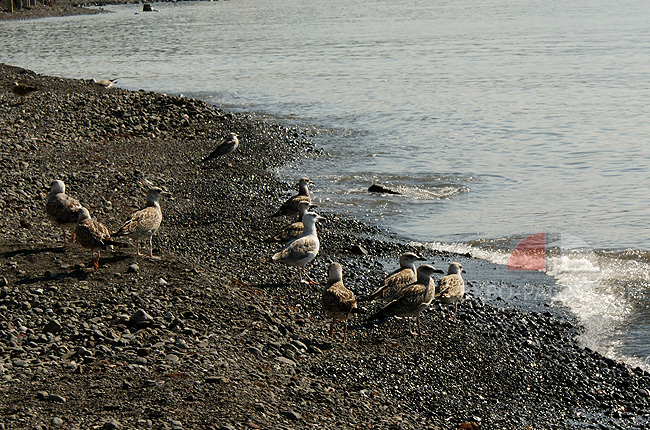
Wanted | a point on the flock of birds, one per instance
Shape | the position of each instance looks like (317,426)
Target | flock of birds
(68,213)
(407,292)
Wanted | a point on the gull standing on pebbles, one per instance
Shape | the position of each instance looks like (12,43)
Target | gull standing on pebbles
(227,145)
(338,302)
(452,287)
(22,91)
(144,223)
(410,301)
(62,209)
(290,207)
(397,280)
(301,251)
(93,235)
(293,230)
(104,83)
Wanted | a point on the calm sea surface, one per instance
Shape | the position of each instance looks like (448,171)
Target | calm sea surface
(495,119)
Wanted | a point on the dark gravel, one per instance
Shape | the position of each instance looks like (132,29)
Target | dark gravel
(49,8)
(213,336)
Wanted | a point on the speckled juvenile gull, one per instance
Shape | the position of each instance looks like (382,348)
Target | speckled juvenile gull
(411,300)
(302,250)
(22,91)
(62,209)
(143,224)
(290,207)
(399,279)
(93,235)
(293,230)
(338,301)
(104,83)
(227,145)
(452,287)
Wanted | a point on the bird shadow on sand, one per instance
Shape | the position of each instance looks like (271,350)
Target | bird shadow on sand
(113,259)
(26,252)
(77,273)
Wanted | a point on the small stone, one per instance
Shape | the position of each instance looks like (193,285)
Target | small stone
(176,425)
(56,398)
(143,352)
(20,363)
(359,250)
(254,350)
(286,361)
(292,415)
(299,344)
(172,358)
(217,380)
(161,281)
(111,424)
(57,421)
(42,395)
(314,350)
(133,268)
(83,352)
(141,318)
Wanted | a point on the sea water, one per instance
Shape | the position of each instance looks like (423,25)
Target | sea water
(495,120)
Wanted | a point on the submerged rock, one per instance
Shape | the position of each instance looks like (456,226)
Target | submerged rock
(376,188)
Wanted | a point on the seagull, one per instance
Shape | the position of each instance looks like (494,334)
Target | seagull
(302,250)
(412,299)
(338,302)
(104,83)
(290,207)
(93,235)
(293,230)
(452,287)
(144,223)
(227,145)
(22,91)
(397,280)
(62,209)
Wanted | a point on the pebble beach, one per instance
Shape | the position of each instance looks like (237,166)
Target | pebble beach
(211,334)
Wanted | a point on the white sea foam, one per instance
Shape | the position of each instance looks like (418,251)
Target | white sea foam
(491,255)
(606,300)
(602,289)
